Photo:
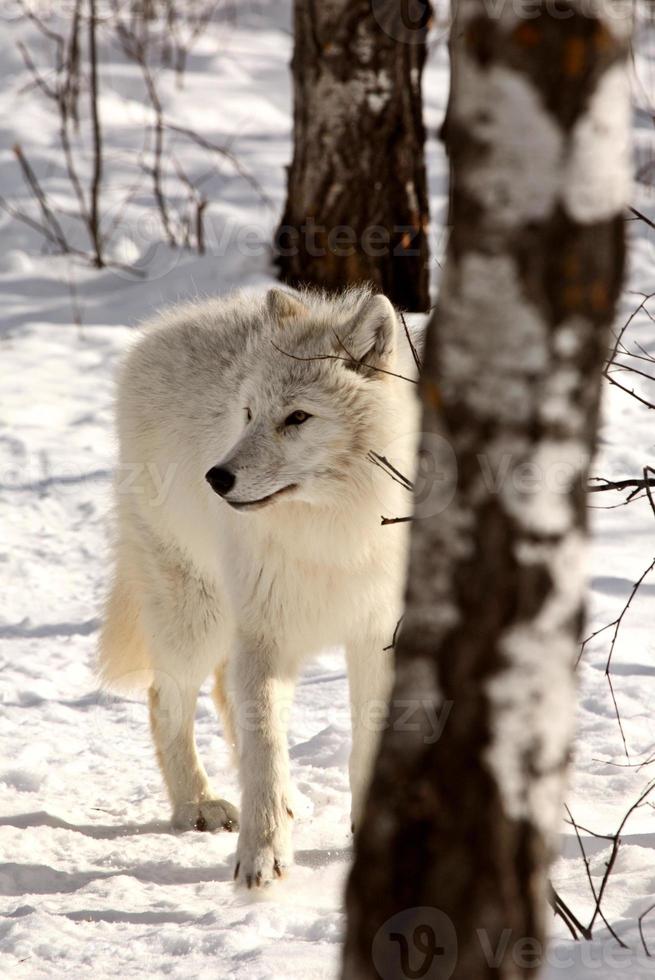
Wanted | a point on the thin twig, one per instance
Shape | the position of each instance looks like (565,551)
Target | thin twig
(566,915)
(616,623)
(197,200)
(648,484)
(417,359)
(394,638)
(642,217)
(618,366)
(628,391)
(616,626)
(94,207)
(46,211)
(592,886)
(30,222)
(635,484)
(640,922)
(222,151)
(620,335)
(347,360)
(390,470)
(616,843)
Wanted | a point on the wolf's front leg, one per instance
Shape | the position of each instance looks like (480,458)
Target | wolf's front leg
(195,806)
(370,678)
(262,699)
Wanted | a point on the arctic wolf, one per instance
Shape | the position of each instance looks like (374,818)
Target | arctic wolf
(249,536)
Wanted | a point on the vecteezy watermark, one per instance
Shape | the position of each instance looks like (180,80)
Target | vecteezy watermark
(318,241)
(405,715)
(138,250)
(421,943)
(127,691)
(409,21)
(428,478)
(430,471)
(417,944)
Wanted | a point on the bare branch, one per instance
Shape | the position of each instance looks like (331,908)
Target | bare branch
(417,359)
(94,208)
(640,921)
(566,915)
(346,360)
(222,151)
(47,213)
(642,217)
(632,484)
(390,469)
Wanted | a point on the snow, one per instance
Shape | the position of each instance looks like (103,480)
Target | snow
(598,168)
(535,694)
(520,167)
(92,880)
(506,391)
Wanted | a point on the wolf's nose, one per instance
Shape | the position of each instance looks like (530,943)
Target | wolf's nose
(220,480)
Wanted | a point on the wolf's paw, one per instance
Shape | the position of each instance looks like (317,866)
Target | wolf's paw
(263,858)
(206,815)
(259,866)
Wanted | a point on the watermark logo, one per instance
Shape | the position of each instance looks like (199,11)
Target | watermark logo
(429,475)
(416,944)
(407,21)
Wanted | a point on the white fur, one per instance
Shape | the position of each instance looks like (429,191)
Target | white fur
(249,594)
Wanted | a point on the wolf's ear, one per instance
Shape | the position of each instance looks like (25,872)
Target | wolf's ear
(371,337)
(283,306)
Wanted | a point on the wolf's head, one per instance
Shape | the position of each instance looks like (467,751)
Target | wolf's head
(315,396)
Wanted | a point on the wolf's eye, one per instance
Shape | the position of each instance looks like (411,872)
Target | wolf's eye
(248,415)
(297,418)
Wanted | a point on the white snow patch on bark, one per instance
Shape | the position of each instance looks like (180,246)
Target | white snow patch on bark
(517,178)
(512,345)
(533,699)
(544,507)
(571,336)
(558,403)
(342,103)
(597,183)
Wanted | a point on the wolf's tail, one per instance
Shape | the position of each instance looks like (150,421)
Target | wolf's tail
(124,663)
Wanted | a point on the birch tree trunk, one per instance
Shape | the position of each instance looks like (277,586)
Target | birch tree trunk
(357,206)
(450,873)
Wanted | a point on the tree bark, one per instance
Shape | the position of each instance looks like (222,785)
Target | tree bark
(450,872)
(357,206)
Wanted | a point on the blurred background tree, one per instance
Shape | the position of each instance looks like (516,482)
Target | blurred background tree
(357,204)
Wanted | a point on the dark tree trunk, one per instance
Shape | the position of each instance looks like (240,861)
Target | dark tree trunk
(451,862)
(357,206)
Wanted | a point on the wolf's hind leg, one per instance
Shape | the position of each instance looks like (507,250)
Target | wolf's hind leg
(172,712)
(225,710)
(188,633)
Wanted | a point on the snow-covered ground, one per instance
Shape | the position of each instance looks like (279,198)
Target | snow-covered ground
(93,883)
